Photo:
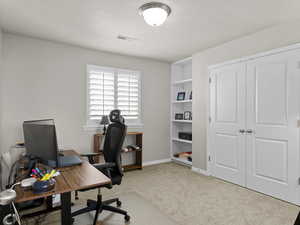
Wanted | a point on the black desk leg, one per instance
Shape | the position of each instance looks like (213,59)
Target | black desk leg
(49,201)
(66,217)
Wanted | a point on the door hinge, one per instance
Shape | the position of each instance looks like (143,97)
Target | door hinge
(209,119)
(209,158)
(299,180)
(298,123)
(209,80)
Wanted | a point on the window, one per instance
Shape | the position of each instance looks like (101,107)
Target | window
(111,88)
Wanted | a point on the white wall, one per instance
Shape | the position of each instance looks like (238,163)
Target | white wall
(1,72)
(44,79)
(275,37)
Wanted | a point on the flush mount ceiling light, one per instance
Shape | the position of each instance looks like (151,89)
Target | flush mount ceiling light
(155,13)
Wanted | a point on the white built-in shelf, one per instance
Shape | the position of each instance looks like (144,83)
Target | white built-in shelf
(182,121)
(182,140)
(182,81)
(183,101)
(182,160)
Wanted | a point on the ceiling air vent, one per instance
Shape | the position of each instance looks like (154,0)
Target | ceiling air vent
(126,38)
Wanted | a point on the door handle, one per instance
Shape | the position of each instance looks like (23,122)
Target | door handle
(249,131)
(242,131)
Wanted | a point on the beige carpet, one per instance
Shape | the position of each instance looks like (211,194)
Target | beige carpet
(142,211)
(187,198)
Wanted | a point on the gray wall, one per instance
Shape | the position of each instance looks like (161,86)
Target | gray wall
(275,37)
(1,72)
(44,79)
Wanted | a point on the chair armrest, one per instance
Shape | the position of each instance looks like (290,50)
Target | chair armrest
(90,157)
(105,168)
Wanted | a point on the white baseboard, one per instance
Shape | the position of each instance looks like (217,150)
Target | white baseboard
(155,162)
(200,171)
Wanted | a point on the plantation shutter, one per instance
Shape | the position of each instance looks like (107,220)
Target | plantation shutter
(101,89)
(128,91)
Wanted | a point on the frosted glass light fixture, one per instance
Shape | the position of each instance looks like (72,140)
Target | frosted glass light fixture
(155,13)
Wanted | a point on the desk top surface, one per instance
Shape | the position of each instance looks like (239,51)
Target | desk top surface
(71,179)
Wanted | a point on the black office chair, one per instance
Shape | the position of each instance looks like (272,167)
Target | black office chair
(112,167)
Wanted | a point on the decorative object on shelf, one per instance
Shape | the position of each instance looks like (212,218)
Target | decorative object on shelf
(185,136)
(131,148)
(104,122)
(187,115)
(155,13)
(191,95)
(178,116)
(181,96)
(184,155)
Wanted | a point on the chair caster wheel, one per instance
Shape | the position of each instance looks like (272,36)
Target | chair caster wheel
(127,218)
(119,203)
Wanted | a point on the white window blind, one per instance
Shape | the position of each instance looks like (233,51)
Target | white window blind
(128,94)
(109,89)
(101,93)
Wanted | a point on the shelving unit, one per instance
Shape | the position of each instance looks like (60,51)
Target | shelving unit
(137,137)
(183,101)
(182,121)
(182,161)
(181,81)
(182,140)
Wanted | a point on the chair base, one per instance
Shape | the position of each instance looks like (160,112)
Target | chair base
(100,205)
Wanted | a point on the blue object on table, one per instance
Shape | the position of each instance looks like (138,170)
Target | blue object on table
(43,186)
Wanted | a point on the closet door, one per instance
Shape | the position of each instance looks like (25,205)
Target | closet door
(227,123)
(272,134)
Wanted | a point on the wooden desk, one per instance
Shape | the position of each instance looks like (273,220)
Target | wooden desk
(72,178)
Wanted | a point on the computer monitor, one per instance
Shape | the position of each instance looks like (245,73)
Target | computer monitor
(40,141)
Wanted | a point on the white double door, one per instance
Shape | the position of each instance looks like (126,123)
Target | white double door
(254,139)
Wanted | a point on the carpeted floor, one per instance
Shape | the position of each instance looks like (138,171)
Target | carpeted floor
(186,198)
(141,210)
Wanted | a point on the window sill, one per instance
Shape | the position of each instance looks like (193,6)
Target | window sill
(99,128)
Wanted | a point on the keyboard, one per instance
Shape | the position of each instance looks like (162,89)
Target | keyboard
(70,160)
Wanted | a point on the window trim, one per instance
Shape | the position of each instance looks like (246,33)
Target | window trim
(92,125)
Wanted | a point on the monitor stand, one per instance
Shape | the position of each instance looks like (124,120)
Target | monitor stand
(31,164)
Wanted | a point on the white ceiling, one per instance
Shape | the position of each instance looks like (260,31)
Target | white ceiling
(192,26)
